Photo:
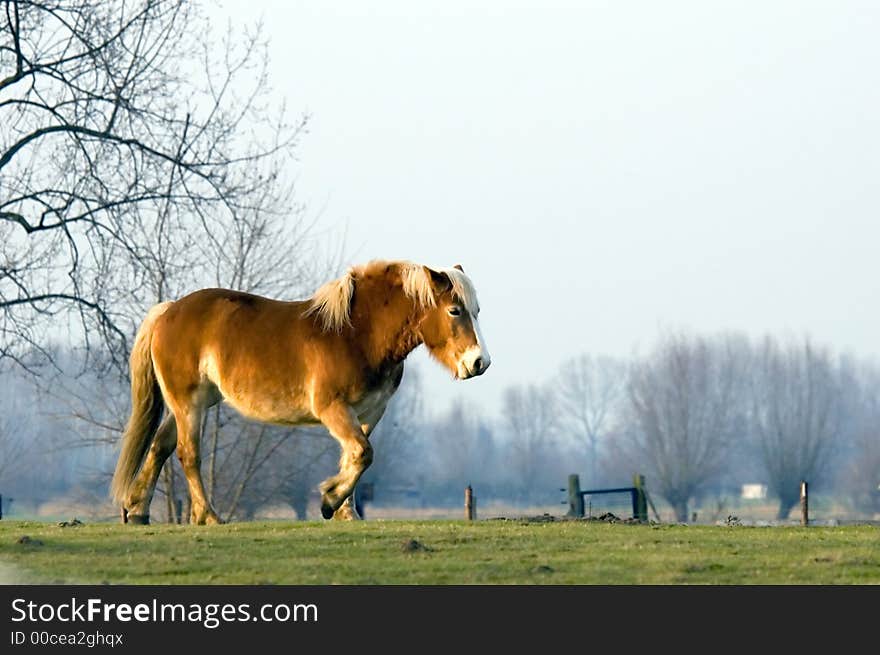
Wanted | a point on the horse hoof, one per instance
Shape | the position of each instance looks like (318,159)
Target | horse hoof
(139,519)
(345,513)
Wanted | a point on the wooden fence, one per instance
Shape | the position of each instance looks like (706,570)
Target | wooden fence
(638,495)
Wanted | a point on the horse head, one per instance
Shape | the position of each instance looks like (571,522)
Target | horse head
(449,327)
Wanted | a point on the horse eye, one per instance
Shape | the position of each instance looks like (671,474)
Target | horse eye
(455,311)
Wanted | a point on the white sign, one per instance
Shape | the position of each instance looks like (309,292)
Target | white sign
(754,491)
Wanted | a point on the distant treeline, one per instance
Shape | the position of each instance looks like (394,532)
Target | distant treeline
(698,415)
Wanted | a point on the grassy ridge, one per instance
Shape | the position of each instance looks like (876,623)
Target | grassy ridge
(438,552)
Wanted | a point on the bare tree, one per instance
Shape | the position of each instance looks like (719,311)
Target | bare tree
(859,477)
(305,460)
(32,467)
(531,419)
(687,406)
(252,465)
(12,444)
(796,412)
(140,159)
(456,451)
(132,141)
(589,392)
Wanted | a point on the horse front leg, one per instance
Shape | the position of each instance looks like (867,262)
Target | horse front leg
(357,454)
(348,511)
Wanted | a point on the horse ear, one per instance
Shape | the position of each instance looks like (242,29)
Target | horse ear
(440,282)
(458,266)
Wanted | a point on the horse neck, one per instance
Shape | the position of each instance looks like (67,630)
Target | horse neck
(388,321)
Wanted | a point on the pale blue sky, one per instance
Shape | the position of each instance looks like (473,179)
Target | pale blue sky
(600,169)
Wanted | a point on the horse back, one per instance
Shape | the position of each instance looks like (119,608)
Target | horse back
(265,356)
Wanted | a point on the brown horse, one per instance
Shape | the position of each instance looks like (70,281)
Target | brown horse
(335,359)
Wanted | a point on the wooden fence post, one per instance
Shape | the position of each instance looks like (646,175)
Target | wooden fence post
(805,508)
(640,504)
(470,504)
(575,499)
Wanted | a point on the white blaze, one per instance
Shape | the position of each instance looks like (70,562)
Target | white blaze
(479,351)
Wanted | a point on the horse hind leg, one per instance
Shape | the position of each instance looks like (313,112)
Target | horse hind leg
(137,505)
(347,510)
(189,419)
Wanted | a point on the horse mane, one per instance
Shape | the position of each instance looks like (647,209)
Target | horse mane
(331,303)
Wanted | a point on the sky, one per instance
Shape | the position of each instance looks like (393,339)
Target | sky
(601,170)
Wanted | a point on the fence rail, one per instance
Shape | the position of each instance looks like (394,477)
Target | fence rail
(637,493)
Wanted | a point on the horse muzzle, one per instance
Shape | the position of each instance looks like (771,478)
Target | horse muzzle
(474,368)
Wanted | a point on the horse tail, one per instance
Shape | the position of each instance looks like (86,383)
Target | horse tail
(146,407)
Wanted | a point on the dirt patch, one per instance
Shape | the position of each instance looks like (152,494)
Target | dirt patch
(543,518)
(607,517)
(415,546)
(71,524)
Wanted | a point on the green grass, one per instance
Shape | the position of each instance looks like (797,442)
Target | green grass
(457,552)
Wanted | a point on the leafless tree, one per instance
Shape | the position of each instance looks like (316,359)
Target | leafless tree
(306,458)
(686,404)
(531,420)
(133,141)
(859,476)
(12,444)
(252,465)
(140,159)
(589,391)
(453,454)
(796,412)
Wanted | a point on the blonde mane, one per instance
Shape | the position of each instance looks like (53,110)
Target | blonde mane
(331,303)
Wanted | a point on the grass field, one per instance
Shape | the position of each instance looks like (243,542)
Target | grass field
(437,552)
